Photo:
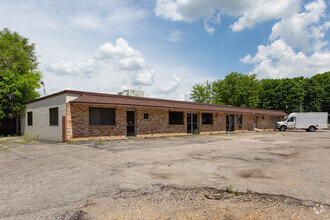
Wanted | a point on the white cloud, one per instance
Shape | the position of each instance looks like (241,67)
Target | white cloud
(144,77)
(297,47)
(85,68)
(126,62)
(175,36)
(279,60)
(264,10)
(302,30)
(210,21)
(170,86)
(185,96)
(87,21)
(249,12)
(120,49)
(132,63)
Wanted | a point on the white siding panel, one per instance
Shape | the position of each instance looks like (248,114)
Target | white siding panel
(40,127)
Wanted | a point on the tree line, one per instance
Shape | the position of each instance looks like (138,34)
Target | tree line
(287,94)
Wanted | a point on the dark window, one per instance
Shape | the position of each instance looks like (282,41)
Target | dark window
(239,119)
(207,118)
(291,119)
(146,116)
(101,116)
(176,118)
(53,116)
(29,118)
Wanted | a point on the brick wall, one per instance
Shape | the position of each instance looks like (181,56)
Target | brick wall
(156,124)
(219,123)
(265,122)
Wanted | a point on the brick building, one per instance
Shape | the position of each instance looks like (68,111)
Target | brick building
(75,115)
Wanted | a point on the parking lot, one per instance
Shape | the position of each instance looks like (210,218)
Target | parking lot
(47,180)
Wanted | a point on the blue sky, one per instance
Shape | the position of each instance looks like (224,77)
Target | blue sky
(165,46)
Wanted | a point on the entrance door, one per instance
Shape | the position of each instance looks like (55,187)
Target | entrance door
(229,122)
(192,123)
(130,123)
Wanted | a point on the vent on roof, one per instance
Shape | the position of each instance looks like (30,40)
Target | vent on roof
(131,92)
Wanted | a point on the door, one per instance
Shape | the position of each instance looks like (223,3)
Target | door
(229,122)
(192,123)
(292,122)
(276,119)
(130,123)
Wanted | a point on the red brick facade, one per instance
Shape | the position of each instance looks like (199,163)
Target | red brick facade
(157,124)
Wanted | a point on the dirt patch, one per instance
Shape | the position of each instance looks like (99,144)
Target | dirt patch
(284,155)
(168,202)
(255,173)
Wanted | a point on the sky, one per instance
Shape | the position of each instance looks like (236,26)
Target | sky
(164,47)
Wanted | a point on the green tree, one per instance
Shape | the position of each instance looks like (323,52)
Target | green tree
(238,89)
(19,73)
(282,94)
(313,97)
(235,89)
(203,93)
(324,81)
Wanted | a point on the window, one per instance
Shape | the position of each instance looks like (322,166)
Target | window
(29,119)
(239,119)
(176,118)
(291,119)
(101,116)
(146,116)
(207,118)
(53,116)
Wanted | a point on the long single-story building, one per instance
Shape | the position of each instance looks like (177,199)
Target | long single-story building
(75,115)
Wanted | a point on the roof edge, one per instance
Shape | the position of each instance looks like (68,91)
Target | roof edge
(142,98)
(55,94)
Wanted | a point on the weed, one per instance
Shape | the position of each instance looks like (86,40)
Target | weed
(5,148)
(195,132)
(100,141)
(73,142)
(228,189)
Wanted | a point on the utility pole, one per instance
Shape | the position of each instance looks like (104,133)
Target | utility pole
(300,106)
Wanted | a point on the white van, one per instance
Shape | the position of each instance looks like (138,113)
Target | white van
(310,121)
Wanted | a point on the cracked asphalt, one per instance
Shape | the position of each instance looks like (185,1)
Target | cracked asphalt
(47,180)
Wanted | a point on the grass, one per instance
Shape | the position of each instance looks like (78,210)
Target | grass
(6,144)
(73,142)
(229,189)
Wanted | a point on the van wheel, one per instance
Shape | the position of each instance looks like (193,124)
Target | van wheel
(282,128)
(312,128)
(307,130)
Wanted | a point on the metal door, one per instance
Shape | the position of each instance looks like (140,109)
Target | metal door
(130,123)
(229,122)
(192,123)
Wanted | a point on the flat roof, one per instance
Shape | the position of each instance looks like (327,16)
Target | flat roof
(110,99)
